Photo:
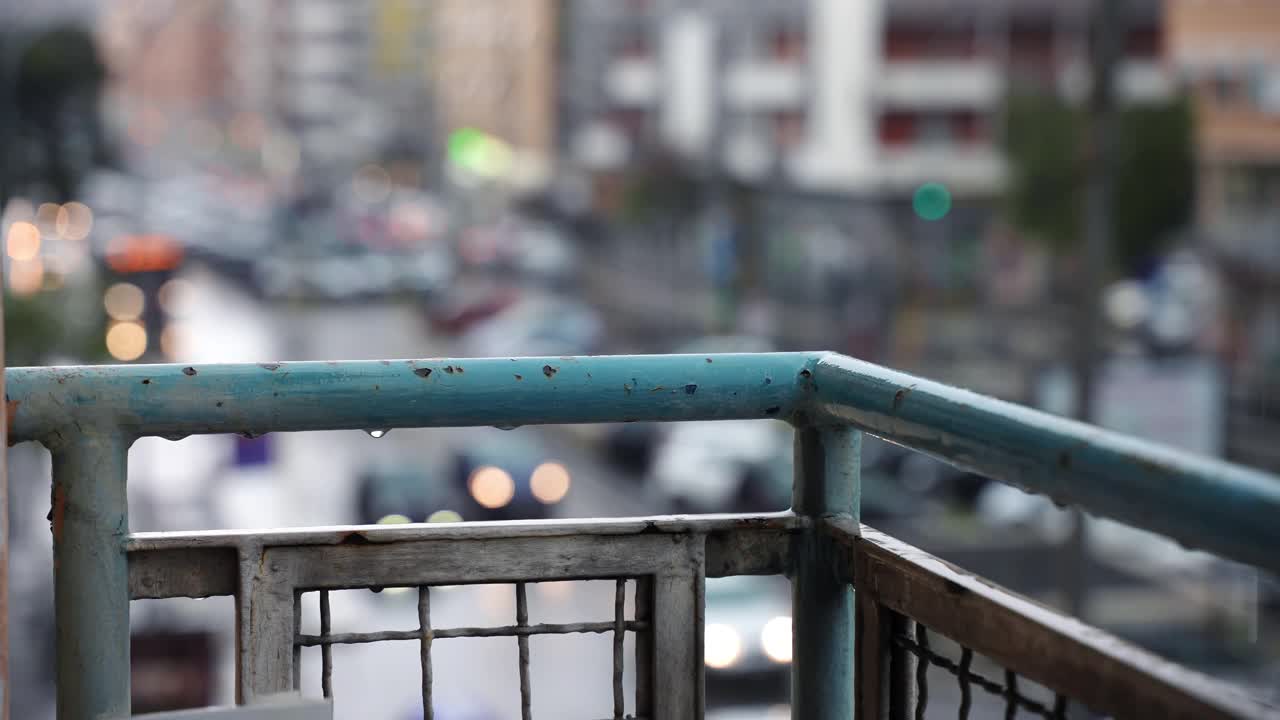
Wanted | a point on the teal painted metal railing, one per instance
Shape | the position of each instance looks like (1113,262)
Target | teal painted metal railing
(89,416)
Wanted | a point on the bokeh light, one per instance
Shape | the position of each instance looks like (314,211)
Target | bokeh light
(47,215)
(171,342)
(394,519)
(26,277)
(73,221)
(549,482)
(444,516)
(932,201)
(23,241)
(124,301)
(170,296)
(722,646)
(492,487)
(126,341)
(775,639)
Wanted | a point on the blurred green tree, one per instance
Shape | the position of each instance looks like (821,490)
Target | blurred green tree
(1155,174)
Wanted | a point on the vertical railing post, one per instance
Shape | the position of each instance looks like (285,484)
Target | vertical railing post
(91,573)
(826,485)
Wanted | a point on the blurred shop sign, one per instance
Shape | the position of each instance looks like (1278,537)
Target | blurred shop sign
(1175,401)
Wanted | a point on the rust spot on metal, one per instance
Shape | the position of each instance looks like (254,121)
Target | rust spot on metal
(377,387)
(58,513)
(386,362)
(422,372)
(355,537)
(218,404)
(690,389)
(188,371)
(899,397)
(626,388)
(806,374)
(146,381)
(768,381)
(269,366)
(708,360)
(519,377)
(955,588)
(657,388)
(10,411)
(448,369)
(549,371)
(458,368)
(772,410)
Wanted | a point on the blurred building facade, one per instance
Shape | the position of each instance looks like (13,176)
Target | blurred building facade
(863,98)
(1229,53)
(492,68)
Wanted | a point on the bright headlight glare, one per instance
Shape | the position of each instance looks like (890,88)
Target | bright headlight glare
(722,646)
(775,639)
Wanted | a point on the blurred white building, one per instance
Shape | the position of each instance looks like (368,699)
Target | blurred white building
(868,97)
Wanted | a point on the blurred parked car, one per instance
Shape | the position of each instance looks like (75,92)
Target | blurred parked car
(508,476)
(401,488)
(537,326)
(631,446)
(465,306)
(725,466)
(747,643)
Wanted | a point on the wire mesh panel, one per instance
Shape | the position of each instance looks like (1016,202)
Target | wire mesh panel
(425,634)
(666,570)
(1004,693)
(935,642)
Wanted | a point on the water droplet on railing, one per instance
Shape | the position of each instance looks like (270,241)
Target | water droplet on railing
(506,427)
(375,434)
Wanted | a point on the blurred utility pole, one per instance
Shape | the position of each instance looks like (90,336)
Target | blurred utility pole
(1107,32)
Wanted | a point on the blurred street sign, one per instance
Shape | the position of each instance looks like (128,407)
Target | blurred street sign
(252,452)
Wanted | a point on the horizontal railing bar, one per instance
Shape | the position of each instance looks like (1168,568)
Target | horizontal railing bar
(177,400)
(1200,502)
(469,632)
(360,534)
(203,564)
(1060,652)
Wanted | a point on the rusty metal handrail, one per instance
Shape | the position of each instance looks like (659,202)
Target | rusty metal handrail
(89,416)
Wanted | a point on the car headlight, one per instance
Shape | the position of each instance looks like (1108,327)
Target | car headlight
(775,639)
(722,646)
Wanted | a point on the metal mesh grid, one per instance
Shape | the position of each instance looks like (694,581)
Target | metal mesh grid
(425,634)
(1014,699)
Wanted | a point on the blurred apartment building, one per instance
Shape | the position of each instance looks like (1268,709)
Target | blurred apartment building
(492,67)
(862,98)
(1229,51)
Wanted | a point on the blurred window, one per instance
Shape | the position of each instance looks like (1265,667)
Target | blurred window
(632,122)
(1144,42)
(1031,43)
(915,39)
(634,44)
(787,43)
(897,128)
(788,127)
